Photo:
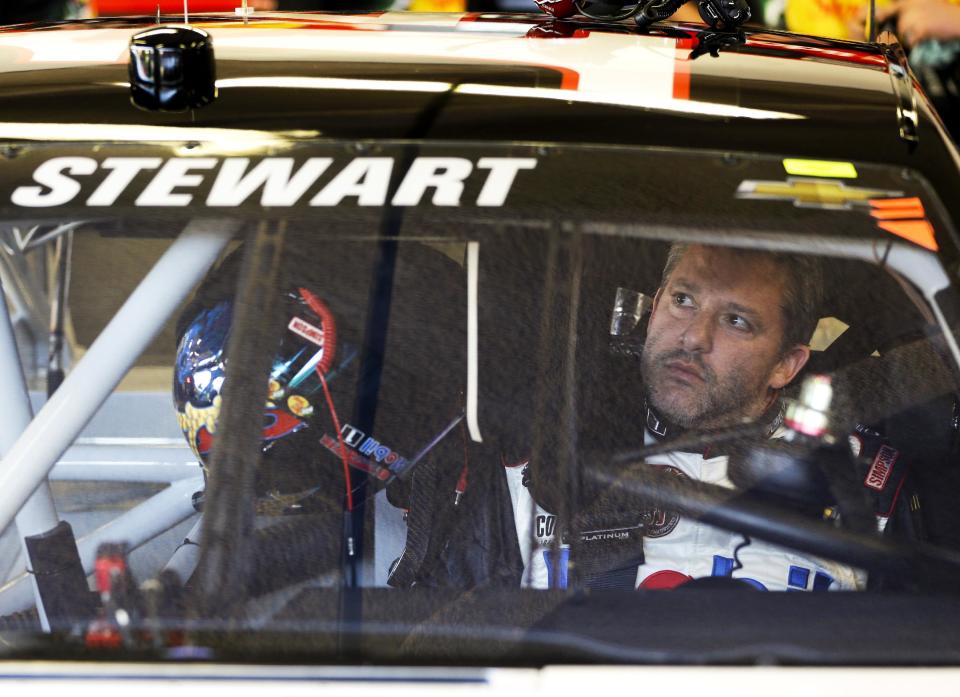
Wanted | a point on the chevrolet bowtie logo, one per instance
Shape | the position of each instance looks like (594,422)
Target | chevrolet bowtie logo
(813,193)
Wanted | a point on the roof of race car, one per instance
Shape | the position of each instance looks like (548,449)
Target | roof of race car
(277,71)
(481,78)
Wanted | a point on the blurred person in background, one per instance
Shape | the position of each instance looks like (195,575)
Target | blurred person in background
(930,33)
(834,19)
(913,20)
(917,21)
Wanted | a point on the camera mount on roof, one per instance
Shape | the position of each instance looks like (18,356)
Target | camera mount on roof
(172,68)
(712,42)
(725,14)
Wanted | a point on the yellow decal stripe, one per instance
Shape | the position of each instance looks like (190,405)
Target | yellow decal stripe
(820,168)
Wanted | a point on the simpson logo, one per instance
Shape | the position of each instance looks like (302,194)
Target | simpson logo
(381,453)
(280,181)
(368,447)
(882,466)
(306,330)
(355,459)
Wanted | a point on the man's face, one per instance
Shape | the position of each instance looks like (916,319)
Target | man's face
(714,353)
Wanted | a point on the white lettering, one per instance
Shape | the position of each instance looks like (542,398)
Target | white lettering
(232,186)
(503,170)
(366,177)
(51,175)
(239,178)
(446,174)
(175,173)
(124,170)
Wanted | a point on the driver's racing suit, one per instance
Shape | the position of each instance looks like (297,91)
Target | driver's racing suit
(502,536)
(678,549)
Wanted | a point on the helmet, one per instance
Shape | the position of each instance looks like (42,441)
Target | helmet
(316,379)
(294,384)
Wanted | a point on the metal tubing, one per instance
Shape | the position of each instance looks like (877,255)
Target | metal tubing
(136,527)
(159,460)
(133,470)
(17,410)
(187,555)
(38,514)
(106,362)
(58,312)
(28,295)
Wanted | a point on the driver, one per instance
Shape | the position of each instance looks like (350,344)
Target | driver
(729,330)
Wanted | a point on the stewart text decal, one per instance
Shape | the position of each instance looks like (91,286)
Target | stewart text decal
(280,181)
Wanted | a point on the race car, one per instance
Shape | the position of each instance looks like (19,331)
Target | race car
(383,393)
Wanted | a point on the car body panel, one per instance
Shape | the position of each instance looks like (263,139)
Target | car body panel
(512,78)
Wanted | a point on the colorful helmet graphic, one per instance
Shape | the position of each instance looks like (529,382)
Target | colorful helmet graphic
(307,349)
(316,379)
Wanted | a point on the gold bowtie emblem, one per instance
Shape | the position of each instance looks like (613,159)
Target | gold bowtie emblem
(812,193)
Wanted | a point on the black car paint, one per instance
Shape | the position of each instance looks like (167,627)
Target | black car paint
(851,121)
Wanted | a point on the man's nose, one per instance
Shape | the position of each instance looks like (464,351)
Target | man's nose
(698,335)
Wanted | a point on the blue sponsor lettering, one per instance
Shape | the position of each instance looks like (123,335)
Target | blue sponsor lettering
(822,581)
(557,572)
(369,445)
(798,577)
(723,566)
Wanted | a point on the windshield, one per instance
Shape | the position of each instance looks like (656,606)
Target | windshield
(419,403)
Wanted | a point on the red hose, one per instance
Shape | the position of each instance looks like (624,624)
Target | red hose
(328,325)
(343,447)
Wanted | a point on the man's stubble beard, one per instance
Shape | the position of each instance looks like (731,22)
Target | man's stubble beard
(717,403)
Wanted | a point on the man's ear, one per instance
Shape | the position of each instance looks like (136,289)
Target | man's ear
(653,308)
(790,364)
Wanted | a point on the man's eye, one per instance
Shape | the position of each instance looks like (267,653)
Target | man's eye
(682,300)
(739,323)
